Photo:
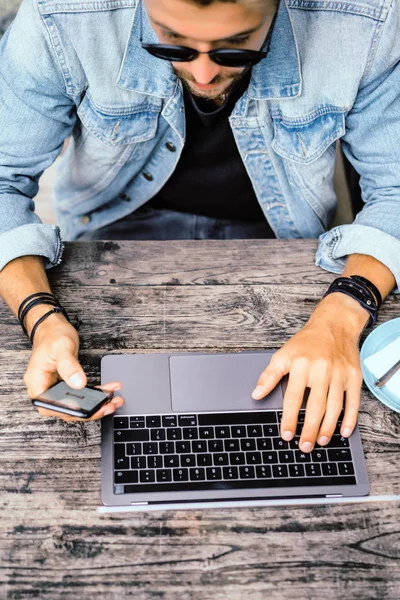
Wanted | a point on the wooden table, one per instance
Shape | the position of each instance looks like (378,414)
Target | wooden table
(173,296)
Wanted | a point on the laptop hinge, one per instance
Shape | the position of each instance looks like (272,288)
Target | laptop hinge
(333,495)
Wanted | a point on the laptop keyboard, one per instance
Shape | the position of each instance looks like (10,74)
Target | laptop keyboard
(221,451)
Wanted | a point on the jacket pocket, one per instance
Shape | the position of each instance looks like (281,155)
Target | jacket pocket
(304,139)
(119,127)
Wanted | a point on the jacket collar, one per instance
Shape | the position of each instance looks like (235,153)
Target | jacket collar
(277,76)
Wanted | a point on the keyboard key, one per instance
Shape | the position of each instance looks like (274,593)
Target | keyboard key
(294,443)
(131,435)
(121,423)
(182,447)
(119,450)
(197,474)
(296,470)
(188,460)
(271,430)
(247,472)
(302,457)
(232,445)
(222,432)
(254,430)
(237,458)
(150,448)
(340,455)
(164,475)
(263,472)
(238,432)
(154,462)
(169,421)
(286,456)
(280,444)
(126,477)
(174,433)
(337,441)
(313,470)
(215,445)
(329,469)
(136,422)
(180,474)
(147,476)
(206,433)
(172,460)
(204,460)
(319,456)
(248,445)
(270,457)
(239,418)
(167,447)
(187,420)
(253,458)
(221,459)
(230,472)
(199,446)
(280,471)
(346,468)
(190,433)
(121,463)
(157,434)
(138,462)
(153,421)
(264,444)
(214,473)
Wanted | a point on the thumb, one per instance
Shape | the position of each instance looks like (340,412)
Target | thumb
(69,367)
(270,377)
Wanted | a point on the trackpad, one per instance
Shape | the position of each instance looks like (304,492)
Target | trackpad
(219,382)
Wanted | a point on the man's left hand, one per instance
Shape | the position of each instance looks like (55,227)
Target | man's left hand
(324,357)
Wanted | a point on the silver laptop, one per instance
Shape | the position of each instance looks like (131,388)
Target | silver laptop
(190,434)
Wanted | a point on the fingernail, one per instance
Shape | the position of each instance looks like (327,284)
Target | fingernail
(257,391)
(306,447)
(323,440)
(76,379)
(287,435)
(346,432)
(108,411)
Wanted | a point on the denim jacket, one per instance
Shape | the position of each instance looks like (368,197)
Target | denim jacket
(72,67)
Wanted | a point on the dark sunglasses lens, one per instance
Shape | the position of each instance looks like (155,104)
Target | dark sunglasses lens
(172,53)
(236,58)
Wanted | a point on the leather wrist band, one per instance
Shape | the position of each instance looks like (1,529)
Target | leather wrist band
(57,309)
(40,298)
(371,286)
(360,292)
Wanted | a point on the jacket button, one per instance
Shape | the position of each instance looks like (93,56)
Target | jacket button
(85,219)
(148,176)
(170,147)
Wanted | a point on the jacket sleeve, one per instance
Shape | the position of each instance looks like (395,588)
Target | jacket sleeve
(36,115)
(372,145)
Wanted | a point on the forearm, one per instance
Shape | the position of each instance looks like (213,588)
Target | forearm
(19,279)
(352,314)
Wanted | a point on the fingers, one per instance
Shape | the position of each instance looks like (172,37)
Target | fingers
(271,376)
(352,405)
(315,411)
(293,399)
(68,365)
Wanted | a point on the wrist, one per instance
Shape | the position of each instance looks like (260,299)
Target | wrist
(50,322)
(343,312)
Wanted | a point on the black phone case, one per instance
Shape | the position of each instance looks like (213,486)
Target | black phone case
(70,411)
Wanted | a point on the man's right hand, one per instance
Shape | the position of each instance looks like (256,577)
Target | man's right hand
(55,357)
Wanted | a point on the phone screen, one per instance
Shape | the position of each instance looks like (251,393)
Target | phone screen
(64,396)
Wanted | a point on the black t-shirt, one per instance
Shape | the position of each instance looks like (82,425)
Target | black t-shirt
(210,178)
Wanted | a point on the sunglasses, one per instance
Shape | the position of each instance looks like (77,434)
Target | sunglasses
(225,57)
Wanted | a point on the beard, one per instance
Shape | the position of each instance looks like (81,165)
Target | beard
(216,98)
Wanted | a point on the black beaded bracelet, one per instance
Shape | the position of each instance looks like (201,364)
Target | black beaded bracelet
(39,298)
(360,292)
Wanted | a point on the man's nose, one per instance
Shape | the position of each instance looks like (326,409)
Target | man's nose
(204,69)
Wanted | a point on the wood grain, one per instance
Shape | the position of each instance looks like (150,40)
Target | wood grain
(169,296)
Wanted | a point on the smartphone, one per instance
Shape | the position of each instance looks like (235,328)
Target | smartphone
(78,403)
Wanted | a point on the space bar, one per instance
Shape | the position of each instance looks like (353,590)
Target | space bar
(308,482)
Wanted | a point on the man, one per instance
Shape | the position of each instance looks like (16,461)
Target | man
(148,95)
